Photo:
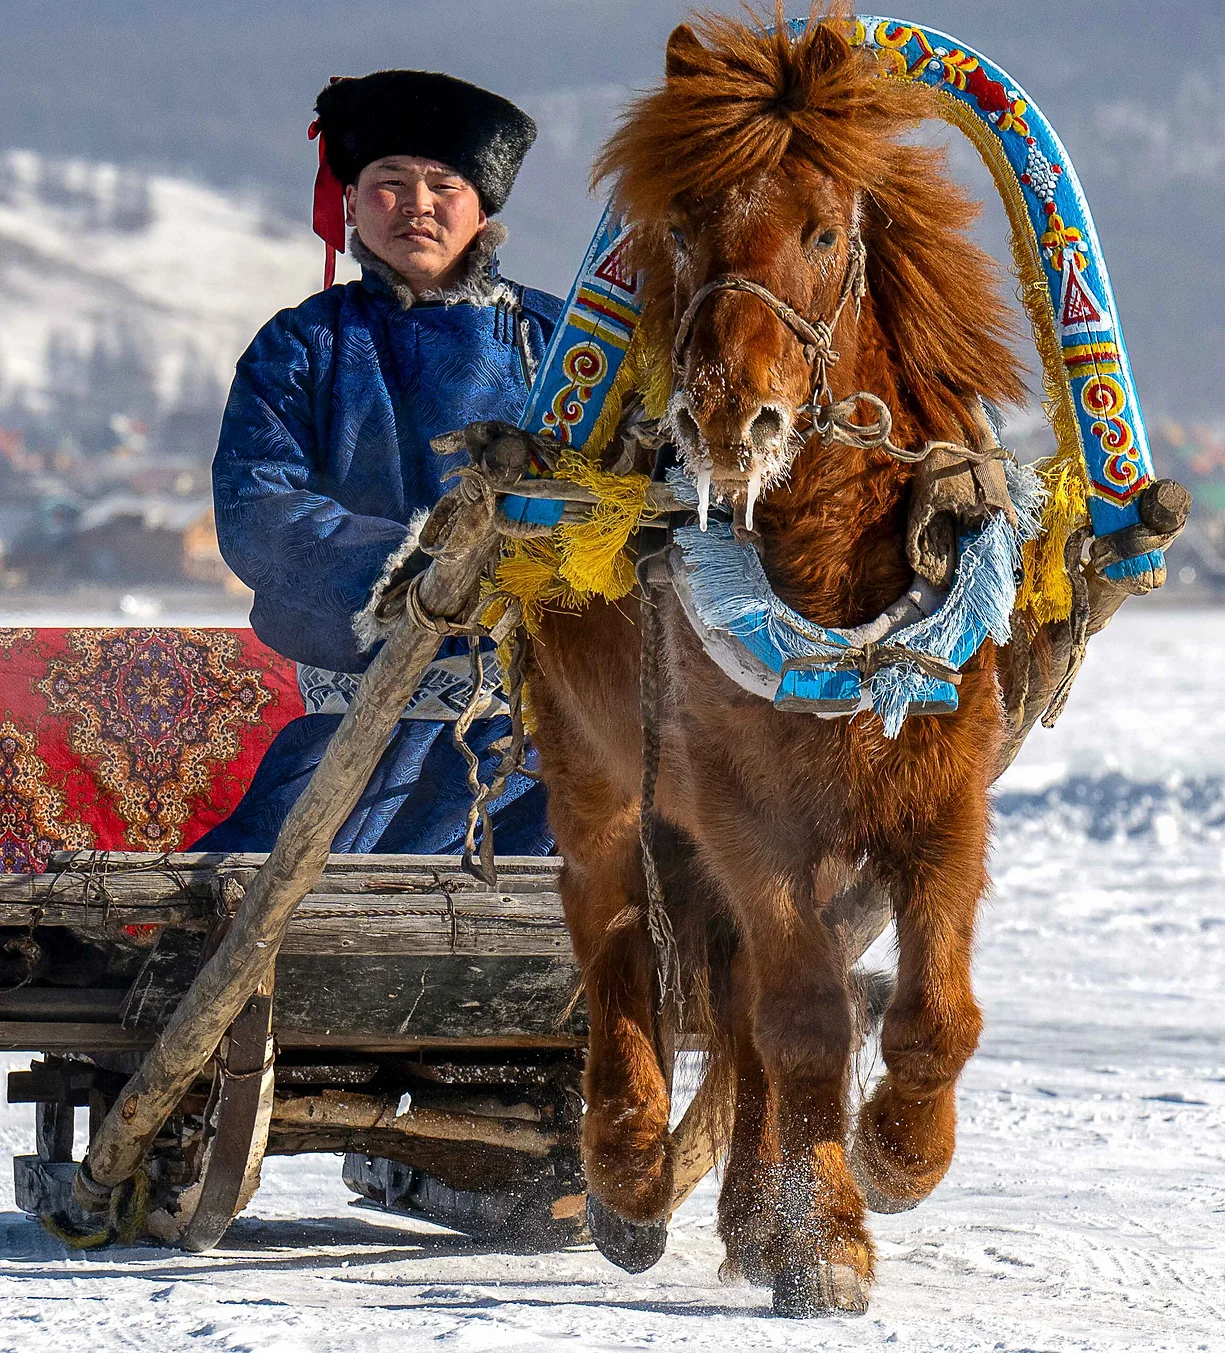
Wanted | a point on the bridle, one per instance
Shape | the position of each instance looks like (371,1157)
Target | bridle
(832,421)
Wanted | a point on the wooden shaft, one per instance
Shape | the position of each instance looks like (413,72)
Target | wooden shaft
(297,861)
(339,1109)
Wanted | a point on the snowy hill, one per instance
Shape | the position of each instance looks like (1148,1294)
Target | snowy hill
(184,272)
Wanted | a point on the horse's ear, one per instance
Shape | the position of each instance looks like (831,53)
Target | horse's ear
(684,54)
(826,48)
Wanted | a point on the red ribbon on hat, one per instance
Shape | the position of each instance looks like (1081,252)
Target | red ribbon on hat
(328,218)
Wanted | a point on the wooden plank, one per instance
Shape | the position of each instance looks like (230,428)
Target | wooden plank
(214,861)
(406,924)
(35,1036)
(22,893)
(389,922)
(347,1111)
(46,1036)
(351,923)
(77,1004)
(524,1045)
(381,989)
(440,997)
(193,898)
(163,980)
(353,907)
(362,994)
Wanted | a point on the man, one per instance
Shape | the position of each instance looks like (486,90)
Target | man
(324,470)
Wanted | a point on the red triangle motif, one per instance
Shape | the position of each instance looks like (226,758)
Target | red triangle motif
(1079,304)
(612,270)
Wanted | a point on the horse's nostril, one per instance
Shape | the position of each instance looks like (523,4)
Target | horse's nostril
(687,429)
(766,429)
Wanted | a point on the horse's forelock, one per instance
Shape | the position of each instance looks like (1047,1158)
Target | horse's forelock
(740,102)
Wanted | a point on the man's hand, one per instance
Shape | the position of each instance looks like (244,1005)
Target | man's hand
(502,451)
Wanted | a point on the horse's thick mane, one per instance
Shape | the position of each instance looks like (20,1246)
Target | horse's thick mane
(743,102)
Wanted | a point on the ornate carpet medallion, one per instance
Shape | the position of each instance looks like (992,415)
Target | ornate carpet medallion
(32,809)
(154,714)
(9,637)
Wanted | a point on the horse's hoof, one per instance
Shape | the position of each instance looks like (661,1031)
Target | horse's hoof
(874,1199)
(747,1267)
(805,1290)
(633,1246)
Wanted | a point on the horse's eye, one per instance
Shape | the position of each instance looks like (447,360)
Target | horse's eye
(678,238)
(826,239)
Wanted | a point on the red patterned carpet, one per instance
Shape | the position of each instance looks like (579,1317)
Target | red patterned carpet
(130,739)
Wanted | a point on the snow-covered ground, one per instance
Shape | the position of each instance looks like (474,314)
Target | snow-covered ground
(1086,1207)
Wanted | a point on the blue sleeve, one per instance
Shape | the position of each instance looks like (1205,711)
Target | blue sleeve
(310,561)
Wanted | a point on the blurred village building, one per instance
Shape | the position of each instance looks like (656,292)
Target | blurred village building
(101,485)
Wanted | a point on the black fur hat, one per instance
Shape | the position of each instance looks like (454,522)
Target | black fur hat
(417,112)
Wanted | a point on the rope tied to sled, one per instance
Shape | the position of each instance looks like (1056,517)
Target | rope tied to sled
(659,923)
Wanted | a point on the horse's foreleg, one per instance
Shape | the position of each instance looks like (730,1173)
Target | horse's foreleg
(823,1258)
(750,1175)
(815,1247)
(625,1129)
(907,1129)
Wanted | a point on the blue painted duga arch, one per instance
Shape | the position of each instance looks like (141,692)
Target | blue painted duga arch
(1065,287)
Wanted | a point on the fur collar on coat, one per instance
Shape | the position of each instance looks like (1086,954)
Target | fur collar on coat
(478,282)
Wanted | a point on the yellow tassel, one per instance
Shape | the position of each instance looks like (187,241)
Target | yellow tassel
(593,559)
(643,369)
(530,571)
(1045,593)
(579,560)
(626,379)
(655,379)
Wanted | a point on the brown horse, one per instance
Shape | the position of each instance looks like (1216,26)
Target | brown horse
(782,161)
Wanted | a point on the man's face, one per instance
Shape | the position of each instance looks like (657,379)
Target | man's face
(417,215)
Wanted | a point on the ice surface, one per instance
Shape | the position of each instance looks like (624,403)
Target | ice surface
(1085,1209)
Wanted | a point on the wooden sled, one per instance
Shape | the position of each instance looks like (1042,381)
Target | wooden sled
(418,1022)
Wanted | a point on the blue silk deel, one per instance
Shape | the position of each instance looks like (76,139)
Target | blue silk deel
(323,459)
